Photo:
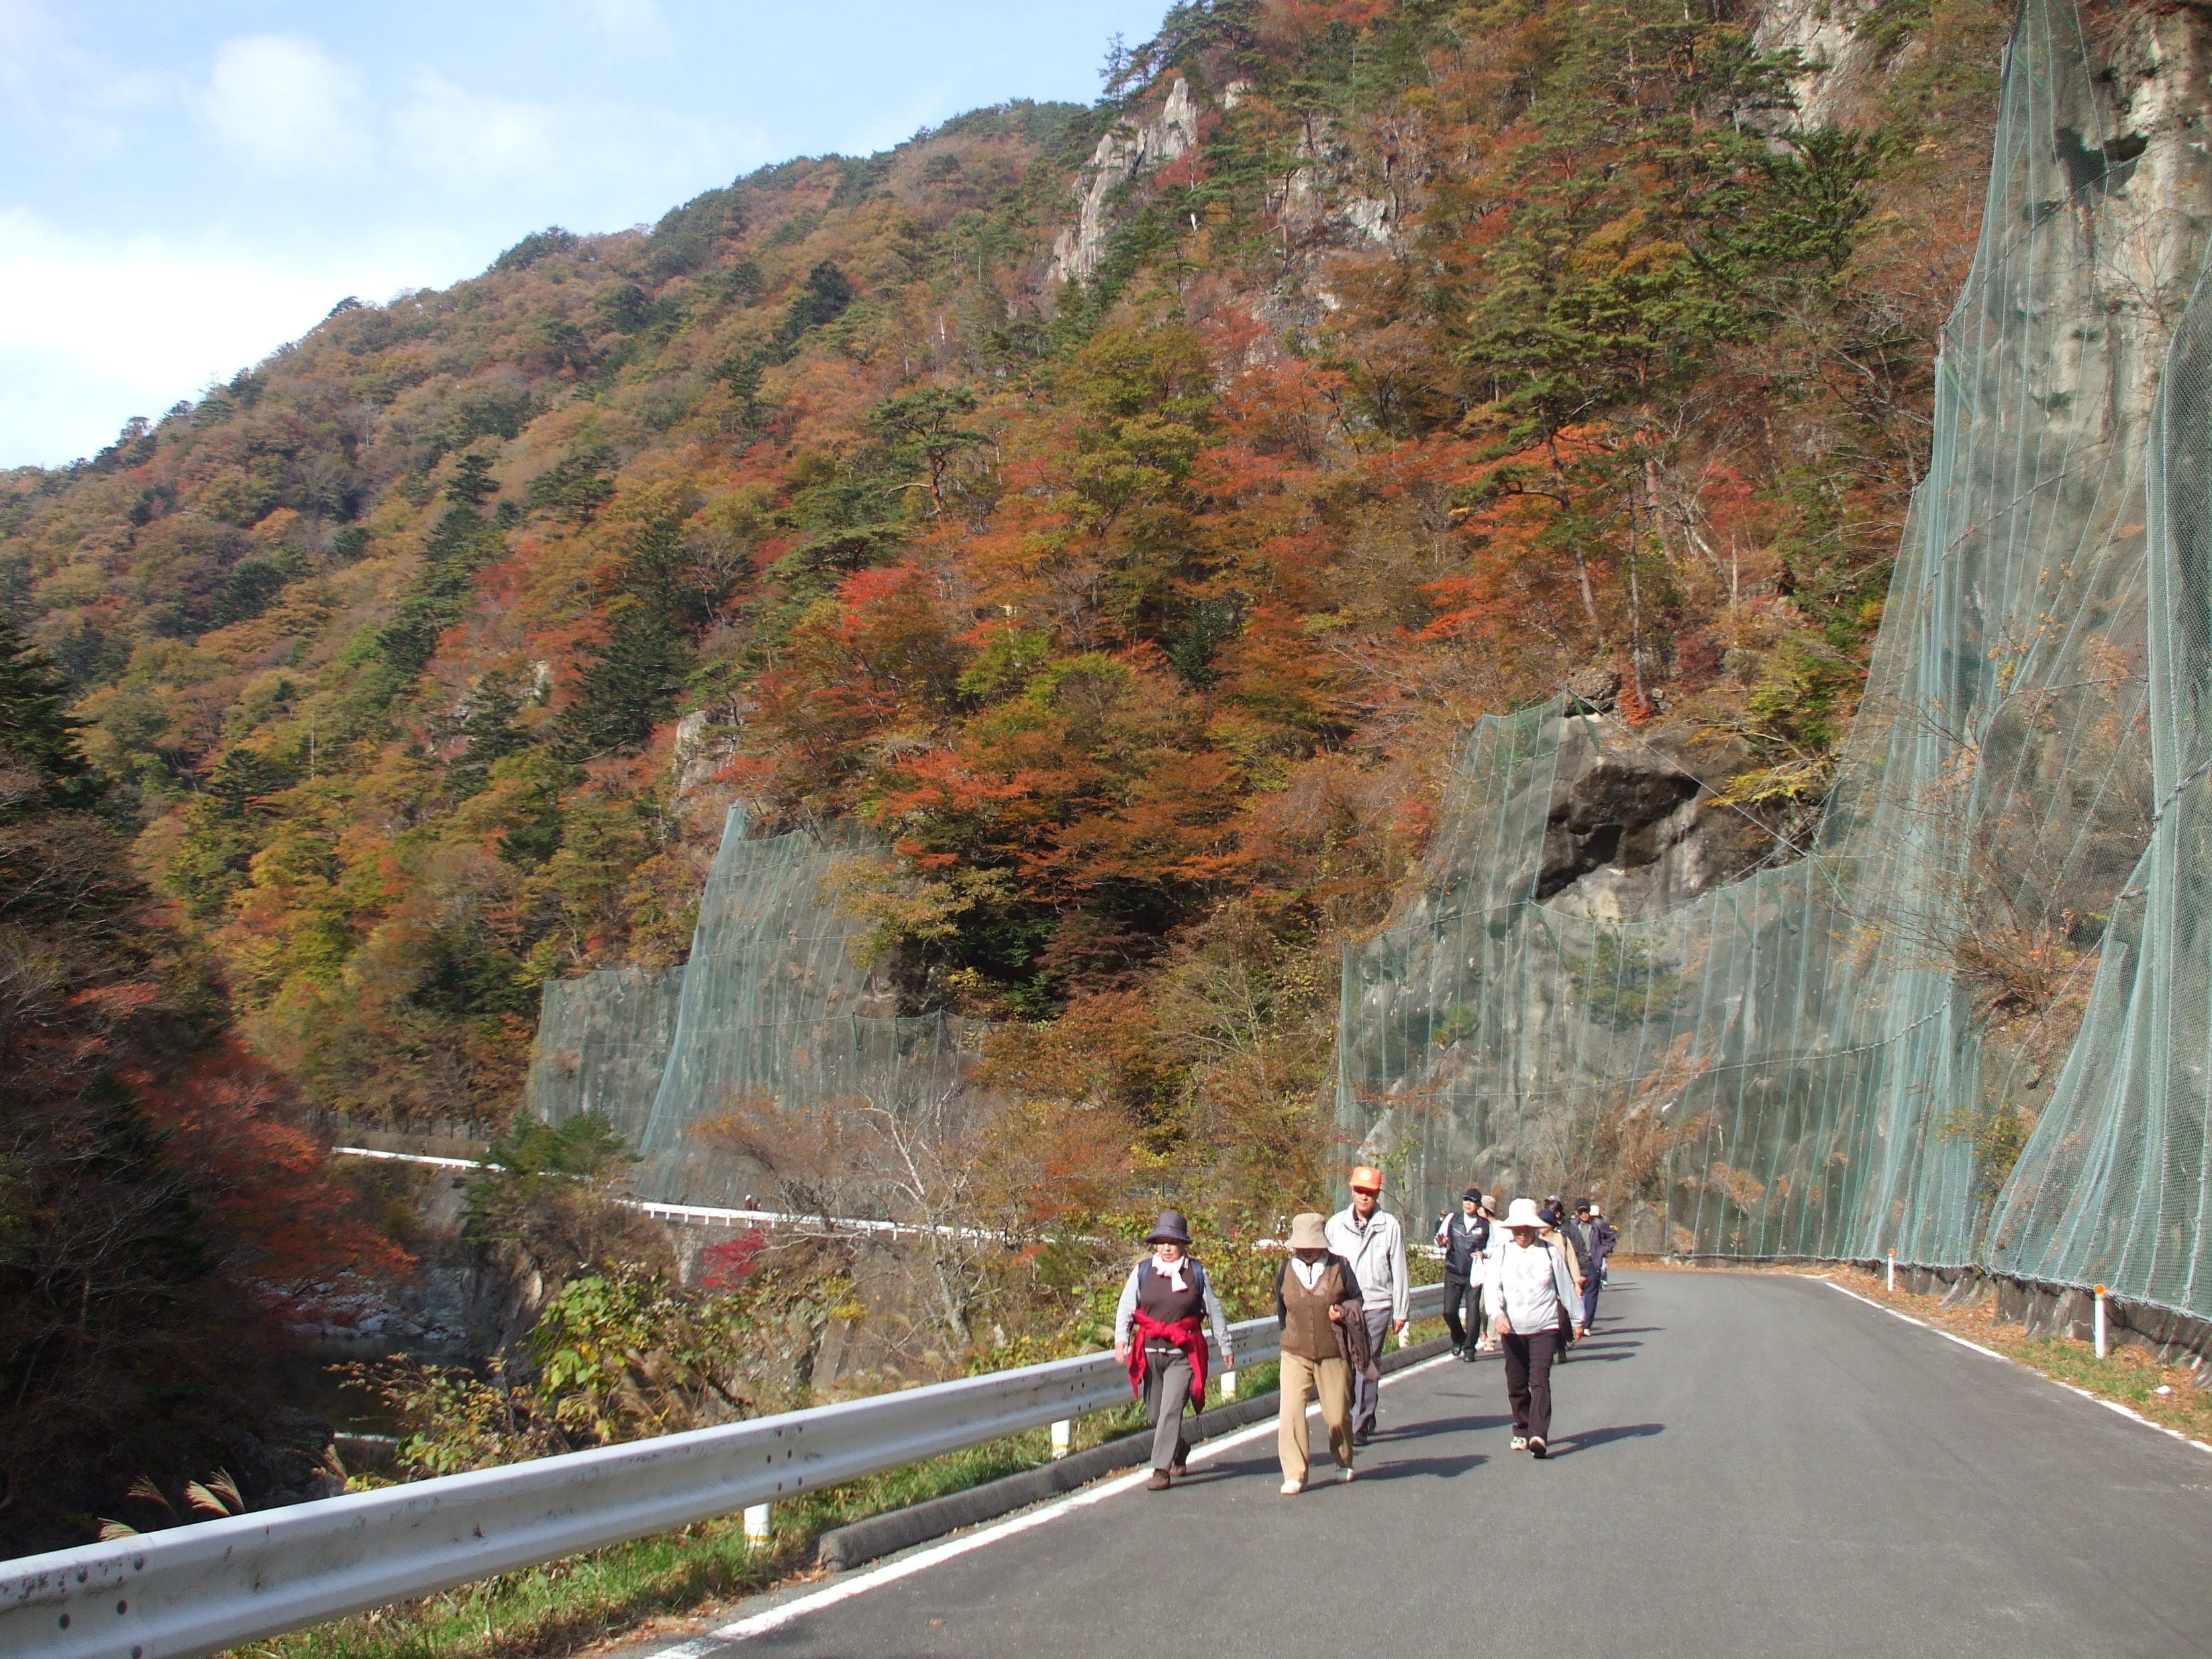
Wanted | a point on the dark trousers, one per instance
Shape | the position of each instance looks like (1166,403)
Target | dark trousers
(1590,1299)
(1456,1298)
(1528,1381)
(1167,1391)
(1366,1391)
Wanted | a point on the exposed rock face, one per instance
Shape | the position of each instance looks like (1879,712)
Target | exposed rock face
(1839,62)
(1634,830)
(1124,152)
(1321,199)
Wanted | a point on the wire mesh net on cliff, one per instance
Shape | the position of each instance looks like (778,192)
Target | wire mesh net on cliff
(1839,1056)
(774,1006)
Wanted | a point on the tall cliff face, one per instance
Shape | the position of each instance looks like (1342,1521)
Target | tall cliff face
(1127,152)
(2136,143)
(1841,1055)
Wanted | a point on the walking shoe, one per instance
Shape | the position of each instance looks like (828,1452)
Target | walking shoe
(1520,1443)
(1292,1488)
(1344,1474)
(1535,1445)
(1182,1460)
(1158,1482)
(1361,1437)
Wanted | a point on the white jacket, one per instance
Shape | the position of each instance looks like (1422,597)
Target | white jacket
(1376,1251)
(1511,1294)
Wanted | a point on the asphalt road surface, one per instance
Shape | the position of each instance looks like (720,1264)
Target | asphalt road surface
(1741,1464)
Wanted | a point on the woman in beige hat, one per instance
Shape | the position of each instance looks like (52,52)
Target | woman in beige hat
(1317,1302)
(1538,1303)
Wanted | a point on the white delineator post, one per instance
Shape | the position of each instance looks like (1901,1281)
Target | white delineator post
(1063,1432)
(2100,1321)
(1228,1386)
(760,1523)
(1892,1270)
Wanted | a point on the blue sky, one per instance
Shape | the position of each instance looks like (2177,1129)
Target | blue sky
(184,186)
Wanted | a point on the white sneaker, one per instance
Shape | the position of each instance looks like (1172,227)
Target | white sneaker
(1292,1488)
(1344,1475)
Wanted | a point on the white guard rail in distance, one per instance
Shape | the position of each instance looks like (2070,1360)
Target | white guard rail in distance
(200,1589)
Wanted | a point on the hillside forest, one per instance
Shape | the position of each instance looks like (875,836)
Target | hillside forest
(1118,509)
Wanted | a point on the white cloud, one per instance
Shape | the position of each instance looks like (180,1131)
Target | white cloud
(470,140)
(281,101)
(574,160)
(629,22)
(92,330)
(50,83)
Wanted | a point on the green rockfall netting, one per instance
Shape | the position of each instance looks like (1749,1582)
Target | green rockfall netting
(602,1042)
(2113,1188)
(773,1009)
(1839,1055)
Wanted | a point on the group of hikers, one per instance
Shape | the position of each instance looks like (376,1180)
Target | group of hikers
(1526,1285)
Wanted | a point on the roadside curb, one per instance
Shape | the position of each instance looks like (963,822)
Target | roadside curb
(885,1534)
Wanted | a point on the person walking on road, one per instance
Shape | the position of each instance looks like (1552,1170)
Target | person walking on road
(1463,1237)
(1371,1239)
(1537,1301)
(1159,1334)
(1486,1275)
(1602,1237)
(1324,1346)
(1563,1236)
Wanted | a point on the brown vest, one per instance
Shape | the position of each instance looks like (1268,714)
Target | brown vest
(1161,1302)
(1307,1332)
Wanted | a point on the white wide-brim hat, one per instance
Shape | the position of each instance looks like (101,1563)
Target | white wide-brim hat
(1523,1213)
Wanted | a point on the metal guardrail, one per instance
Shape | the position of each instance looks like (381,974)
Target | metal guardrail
(199,1588)
(696,1214)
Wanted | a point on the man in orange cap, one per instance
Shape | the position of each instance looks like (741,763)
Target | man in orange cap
(1371,1239)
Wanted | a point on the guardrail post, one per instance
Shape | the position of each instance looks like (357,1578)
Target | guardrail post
(1892,1270)
(760,1524)
(1063,1433)
(2100,1321)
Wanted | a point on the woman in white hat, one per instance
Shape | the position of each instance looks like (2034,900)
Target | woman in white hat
(1538,1304)
(1318,1305)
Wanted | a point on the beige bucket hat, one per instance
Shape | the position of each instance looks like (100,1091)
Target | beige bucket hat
(1308,1232)
(1524,1213)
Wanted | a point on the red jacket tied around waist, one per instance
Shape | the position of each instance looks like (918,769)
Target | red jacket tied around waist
(1187,1334)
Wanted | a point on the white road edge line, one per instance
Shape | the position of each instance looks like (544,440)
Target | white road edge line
(2128,1412)
(700,1647)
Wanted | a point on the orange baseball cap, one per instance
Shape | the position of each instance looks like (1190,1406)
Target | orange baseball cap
(1366,1180)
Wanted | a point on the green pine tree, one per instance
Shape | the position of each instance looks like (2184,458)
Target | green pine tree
(38,734)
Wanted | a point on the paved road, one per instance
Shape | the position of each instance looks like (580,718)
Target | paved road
(1743,1464)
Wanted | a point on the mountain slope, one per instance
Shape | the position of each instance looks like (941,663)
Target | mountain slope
(1121,508)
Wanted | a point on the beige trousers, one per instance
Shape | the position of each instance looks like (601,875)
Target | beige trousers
(1329,1379)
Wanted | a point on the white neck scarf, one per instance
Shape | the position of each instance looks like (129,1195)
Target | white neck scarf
(1175,1270)
(1309,1273)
